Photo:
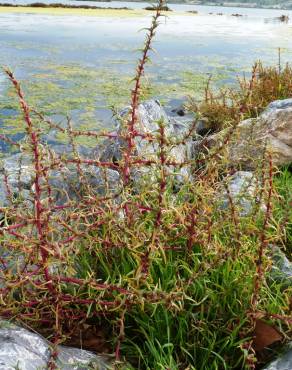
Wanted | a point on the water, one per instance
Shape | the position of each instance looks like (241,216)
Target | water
(251,12)
(80,65)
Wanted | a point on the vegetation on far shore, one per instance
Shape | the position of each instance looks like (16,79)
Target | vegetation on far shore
(268,4)
(58,5)
(82,10)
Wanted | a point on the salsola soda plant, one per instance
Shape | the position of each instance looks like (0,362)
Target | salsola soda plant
(245,100)
(136,247)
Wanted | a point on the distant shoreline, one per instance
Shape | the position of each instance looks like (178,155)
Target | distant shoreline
(59,6)
(92,10)
(82,10)
(72,10)
(231,5)
(226,4)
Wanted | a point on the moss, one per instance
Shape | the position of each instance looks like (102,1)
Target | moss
(65,90)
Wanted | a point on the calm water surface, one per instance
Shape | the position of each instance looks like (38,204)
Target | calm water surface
(69,63)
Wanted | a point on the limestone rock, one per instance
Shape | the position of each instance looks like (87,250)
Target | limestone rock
(281,270)
(18,169)
(68,185)
(16,177)
(283,362)
(271,131)
(149,114)
(242,186)
(22,349)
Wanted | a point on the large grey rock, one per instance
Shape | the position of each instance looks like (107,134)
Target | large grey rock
(278,105)
(24,350)
(271,131)
(281,270)
(283,362)
(242,188)
(68,185)
(19,170)
(16,177)
(4,195)
(149,114)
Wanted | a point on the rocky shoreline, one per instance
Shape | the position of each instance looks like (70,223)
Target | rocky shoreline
(271,131)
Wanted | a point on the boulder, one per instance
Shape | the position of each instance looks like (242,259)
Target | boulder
(281,270)
(271,131)
(283,362)
(66,183)
(180,111)
(17,171)
(22,349)
(4,196)
(149,114)
(242,187)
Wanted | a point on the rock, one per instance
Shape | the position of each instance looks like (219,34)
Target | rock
(61,149)
(242,187)
(110,150)
(67,185)
(180,111)
(278,105)
(203,127)
(17,171)
(149,114)
(283,362)
(281,270)
(4,197)
(283,18)
(272,130)
(22,349)
(70,358)
(19,176)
